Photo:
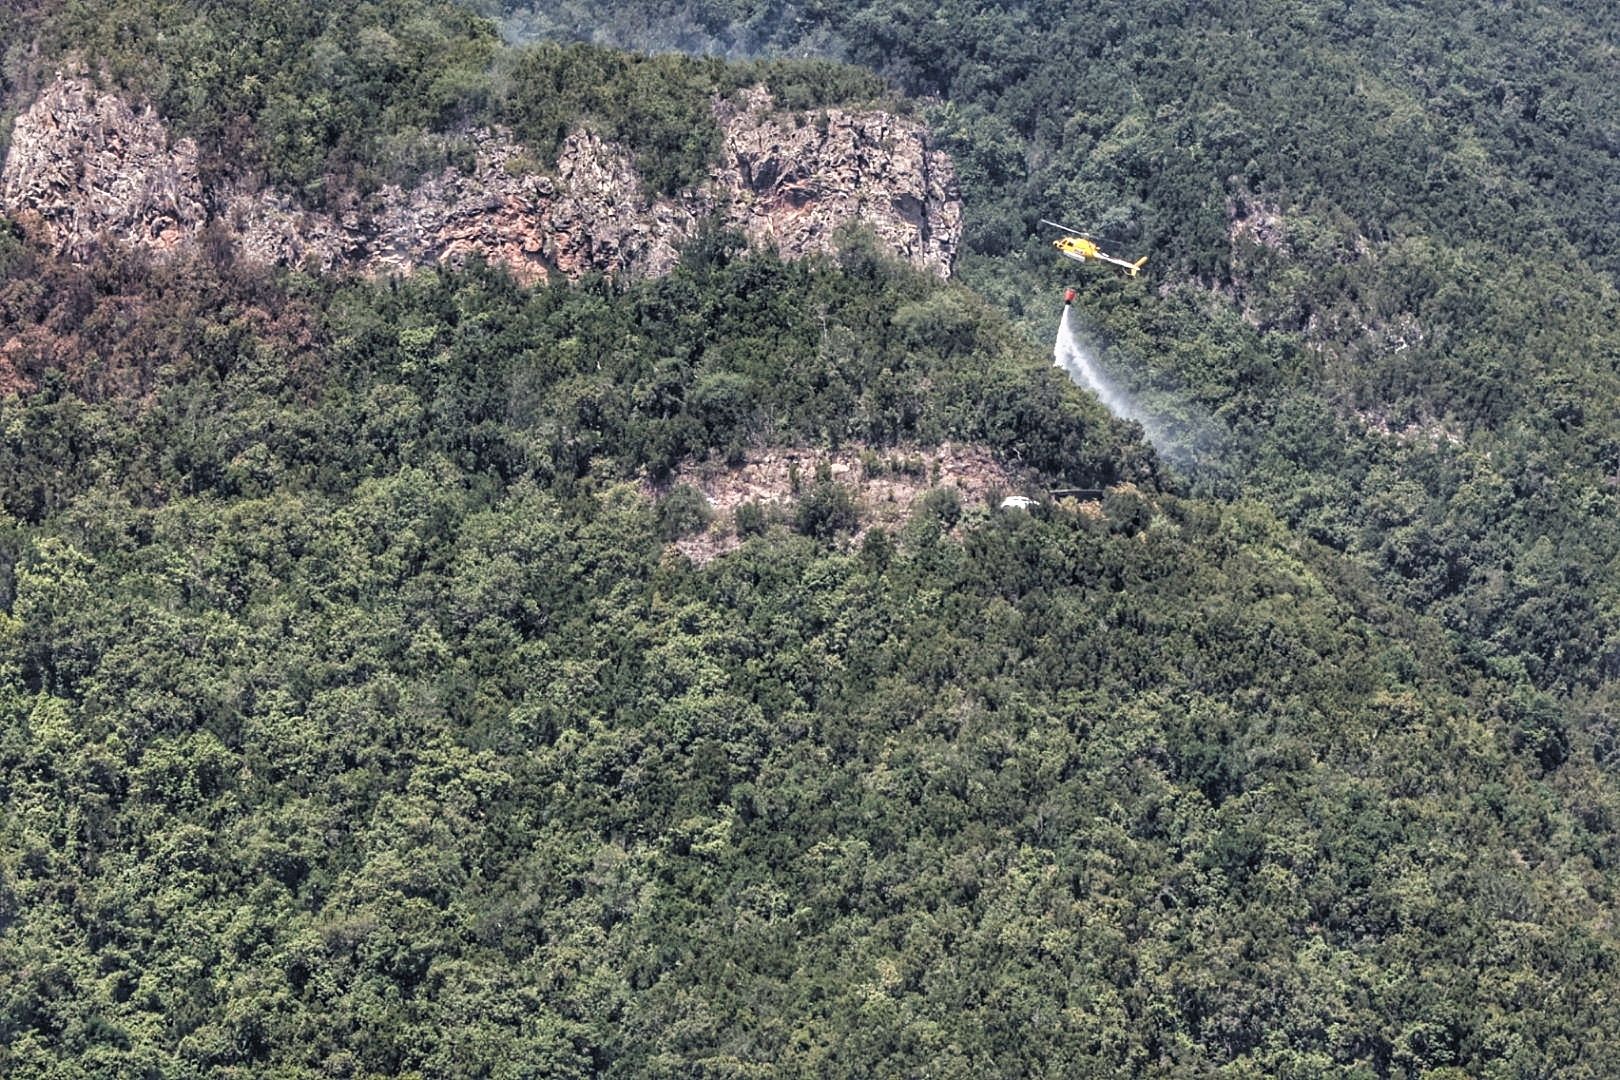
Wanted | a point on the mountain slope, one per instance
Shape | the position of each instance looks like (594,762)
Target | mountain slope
(359,715)
(358,720)
(1407,207)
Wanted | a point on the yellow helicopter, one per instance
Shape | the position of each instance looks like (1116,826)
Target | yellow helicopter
(1082,248)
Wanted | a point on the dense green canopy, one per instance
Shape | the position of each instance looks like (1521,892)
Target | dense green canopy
(1382,238)
(357,720)
(357,717)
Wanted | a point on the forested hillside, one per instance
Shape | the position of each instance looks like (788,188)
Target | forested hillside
(1383,249)
(358,717)
(357,721)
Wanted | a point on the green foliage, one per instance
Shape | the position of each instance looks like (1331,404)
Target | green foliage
(401,765)
(807,84)
(824,510)
(1419,237)
(355,718)
(330,99)
(944,505)
(301,90)
(659,106)
(683,511)
(749,518)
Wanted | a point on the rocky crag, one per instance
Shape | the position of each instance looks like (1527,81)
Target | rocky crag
(87,169)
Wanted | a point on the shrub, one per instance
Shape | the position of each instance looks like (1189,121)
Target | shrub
(684,511)
(825,510)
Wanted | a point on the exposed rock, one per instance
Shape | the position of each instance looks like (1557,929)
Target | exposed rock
(86,168)
(1430,431)
(795,181)
(1251,221)
(269,229)
(887,484)
(589,217)
(1256,232)
(598,219)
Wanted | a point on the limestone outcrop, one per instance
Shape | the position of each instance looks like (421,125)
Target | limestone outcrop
(588,217)
(88,169)
(795,181)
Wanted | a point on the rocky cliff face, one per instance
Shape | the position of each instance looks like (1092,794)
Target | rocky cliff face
(588,217)
(793,182)
(84,165)
(88,169)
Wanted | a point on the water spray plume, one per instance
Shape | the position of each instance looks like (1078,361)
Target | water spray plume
(1073,358)
(1182,438)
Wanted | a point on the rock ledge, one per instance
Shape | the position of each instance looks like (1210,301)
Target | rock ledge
(88,169)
